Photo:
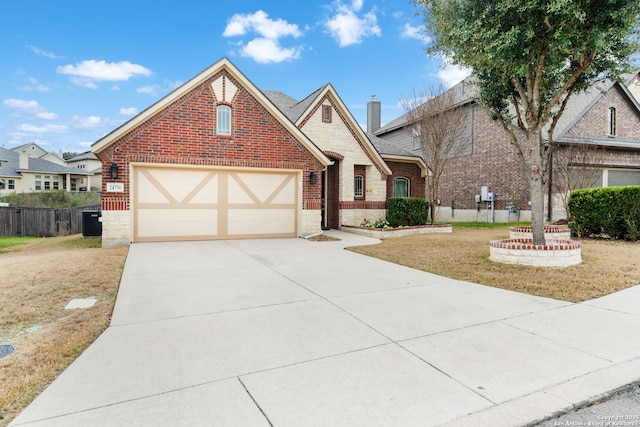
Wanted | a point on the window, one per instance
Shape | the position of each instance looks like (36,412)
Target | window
(81,164)
(12,184)
(358,189)
(415,138)
(400,187)
(73,184)
(223,125)
(620,177)
(56,185)
(611,122)
(47,185)
(38,185)
(326,113)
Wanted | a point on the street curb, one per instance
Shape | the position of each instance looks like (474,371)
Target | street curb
(557,400)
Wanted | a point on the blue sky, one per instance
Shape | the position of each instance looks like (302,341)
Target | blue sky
(72,71)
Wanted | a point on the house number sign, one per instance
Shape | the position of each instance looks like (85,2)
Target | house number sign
(115,187)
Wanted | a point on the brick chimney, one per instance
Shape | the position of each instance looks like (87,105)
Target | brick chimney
(373,114)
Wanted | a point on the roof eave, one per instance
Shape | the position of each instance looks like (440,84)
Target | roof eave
(222,64)
(424,169)
(354,125)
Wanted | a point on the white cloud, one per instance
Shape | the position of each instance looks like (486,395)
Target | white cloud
(34,86)
(266,47)
(25,127)
(451,74)
(154,90)
(89,122)
(268,50)
(31,107)
(348,28)
(259,22)
(86,73)
(149,90)
(41,52)
(410,32)
(131,111)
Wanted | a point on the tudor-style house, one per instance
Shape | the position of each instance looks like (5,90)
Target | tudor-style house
(219,158)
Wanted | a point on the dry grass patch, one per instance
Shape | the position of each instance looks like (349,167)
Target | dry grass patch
(607,266)
(37,280)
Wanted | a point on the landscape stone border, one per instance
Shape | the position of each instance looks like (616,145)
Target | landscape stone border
(386,233)
(551,232)
(556,253)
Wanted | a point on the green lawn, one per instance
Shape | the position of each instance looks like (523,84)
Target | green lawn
(489,224)
(6,242)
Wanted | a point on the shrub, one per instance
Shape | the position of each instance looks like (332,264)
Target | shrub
(613,212)
(52,199)
(380,223)
(407,211)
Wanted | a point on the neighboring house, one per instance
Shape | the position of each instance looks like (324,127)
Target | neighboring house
(220,159)
(54,158)
(607,117)
(31,149)
(21,173)
(89,162)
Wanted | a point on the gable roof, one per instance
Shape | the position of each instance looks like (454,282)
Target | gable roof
(581,103)
(464,92)
(391,152)
(87,155)
(33,145)
(222,64)
(11,165)
(298,111)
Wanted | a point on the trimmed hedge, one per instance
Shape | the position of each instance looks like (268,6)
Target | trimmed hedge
(407,211)
(612,212)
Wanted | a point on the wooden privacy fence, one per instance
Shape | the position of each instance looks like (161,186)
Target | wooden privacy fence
(42,222)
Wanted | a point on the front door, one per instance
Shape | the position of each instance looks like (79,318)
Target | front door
(331,196)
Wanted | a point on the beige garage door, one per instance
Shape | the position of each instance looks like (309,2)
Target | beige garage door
(188,203)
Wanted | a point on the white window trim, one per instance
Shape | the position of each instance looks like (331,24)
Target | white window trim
(223,120)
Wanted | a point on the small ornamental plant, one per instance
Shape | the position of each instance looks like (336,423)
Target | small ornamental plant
(380,223)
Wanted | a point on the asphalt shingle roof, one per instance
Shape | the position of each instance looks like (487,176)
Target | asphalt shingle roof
(12,165)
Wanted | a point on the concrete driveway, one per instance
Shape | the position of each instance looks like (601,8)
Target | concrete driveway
(289,332)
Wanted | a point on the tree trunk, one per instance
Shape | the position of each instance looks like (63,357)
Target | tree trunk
(537,183)
(536,190)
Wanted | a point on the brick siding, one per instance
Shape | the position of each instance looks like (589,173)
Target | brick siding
(410,171)
(184,133)
(493,162)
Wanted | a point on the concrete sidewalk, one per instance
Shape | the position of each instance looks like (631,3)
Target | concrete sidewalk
(289,332)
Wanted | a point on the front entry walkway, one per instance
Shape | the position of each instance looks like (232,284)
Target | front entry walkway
(289,332)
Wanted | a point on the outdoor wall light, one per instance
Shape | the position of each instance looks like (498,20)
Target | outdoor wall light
(312,177)
(114,171)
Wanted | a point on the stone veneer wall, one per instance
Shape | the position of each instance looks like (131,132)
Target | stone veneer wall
(550,233)
(560,253)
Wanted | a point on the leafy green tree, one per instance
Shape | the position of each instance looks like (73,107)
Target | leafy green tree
(529,57)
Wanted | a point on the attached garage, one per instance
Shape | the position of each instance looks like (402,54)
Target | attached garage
(214,159)
(172,202)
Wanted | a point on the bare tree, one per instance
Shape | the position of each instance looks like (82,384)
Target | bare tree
(436,121)
(575,166)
